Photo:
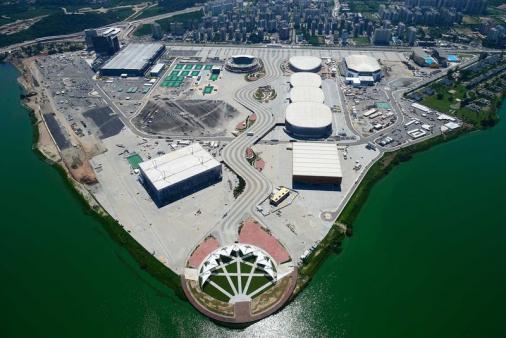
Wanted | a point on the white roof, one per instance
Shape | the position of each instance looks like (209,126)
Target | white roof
(305,63)
(308,115)
(316,159)
(135,56)
(213,261)
(307,94)
(420,107)
(157,68)
(305,79)
(362,63)
(178,165)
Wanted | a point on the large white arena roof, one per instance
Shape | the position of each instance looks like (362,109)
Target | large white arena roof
(308,115)
(178,166)
(305,63)
(362,63)
(305,79)
(306,94)
(135,56)
(316,160)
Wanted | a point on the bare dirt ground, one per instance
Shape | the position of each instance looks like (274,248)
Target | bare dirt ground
(185,117)
(74,158)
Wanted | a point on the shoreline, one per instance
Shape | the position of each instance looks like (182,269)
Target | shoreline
(331,242)
(90,205)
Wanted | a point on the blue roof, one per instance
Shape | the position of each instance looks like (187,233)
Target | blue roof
(453,58)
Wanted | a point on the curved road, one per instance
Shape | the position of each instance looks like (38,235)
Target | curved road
(257,185)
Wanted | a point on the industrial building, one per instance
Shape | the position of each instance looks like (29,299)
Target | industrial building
(179,173)
(305,79)
(242,64)
(133,60)
(305,63)
(308,120)
(316,163)
(306,94)
(362,67)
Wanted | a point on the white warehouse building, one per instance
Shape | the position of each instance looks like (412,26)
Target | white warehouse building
(362,67)
(179,173)
(316,163)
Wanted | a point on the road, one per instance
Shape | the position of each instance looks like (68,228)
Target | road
(257,185)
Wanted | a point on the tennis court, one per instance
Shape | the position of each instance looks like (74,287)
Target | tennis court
(188,67)
(134,161)
(214,77)
(175,72)
(185,73)
(195,73)
(198,66)
(179,66)
(208,89)
(208,67)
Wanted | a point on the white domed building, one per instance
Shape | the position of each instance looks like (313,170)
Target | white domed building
(305,63)
(308,120)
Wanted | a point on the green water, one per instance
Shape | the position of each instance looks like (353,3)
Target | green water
(427,259)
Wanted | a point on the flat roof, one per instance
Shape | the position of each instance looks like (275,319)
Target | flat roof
(135,56)
(158,67)
(316,159)
(305,79)
(307,94)
(362,63)
(178,166)
(305,63)
(420,107)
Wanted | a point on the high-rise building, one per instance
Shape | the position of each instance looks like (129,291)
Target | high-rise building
(382,36)
(411,36)
(156,31)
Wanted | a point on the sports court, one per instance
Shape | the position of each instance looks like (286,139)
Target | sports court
(134,161)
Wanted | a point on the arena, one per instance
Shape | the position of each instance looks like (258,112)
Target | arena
(356,66)
(306,94)
(305,79)
(305,63)
(308,120)
(242,64)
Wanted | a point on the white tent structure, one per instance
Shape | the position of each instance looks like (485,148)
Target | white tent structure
(260,264)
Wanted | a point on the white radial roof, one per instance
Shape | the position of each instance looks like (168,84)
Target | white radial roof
(305,79)
(308,115)
(305,63)
(228,255)
(307,94)
(362,63)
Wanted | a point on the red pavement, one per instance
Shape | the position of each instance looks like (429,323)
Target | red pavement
(204,249)
(253,233)
(259,165)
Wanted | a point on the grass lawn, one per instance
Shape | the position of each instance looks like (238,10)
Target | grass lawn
(185,18)
(361,41)
(316,40)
